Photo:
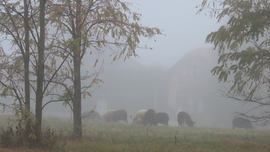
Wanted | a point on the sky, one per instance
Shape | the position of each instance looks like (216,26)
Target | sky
(184,30)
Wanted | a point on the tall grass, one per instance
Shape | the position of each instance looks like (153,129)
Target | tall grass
(100,136)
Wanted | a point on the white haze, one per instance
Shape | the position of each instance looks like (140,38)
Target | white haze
(184,30)
(133,84)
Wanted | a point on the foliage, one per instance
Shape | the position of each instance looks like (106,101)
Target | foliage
(11,77)
(22,28)
(244,50)
(108,26)
(67,31)
(92,26)
(104,24)
(11,137)
(18,135)
(13,51)
(22,134)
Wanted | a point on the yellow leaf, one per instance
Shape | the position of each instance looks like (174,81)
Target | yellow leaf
(96,63)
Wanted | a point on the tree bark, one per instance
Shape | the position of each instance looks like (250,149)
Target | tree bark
(77,128)
(26,70)
(40,71)
(26,57)
(77,121)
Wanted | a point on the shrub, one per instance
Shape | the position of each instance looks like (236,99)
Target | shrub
(11,137)
(21,133)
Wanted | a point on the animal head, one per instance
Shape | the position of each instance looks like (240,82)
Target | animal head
(190,123)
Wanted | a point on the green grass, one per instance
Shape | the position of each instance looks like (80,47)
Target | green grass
(119,137)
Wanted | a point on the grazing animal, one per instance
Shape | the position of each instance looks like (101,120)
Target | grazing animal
(239,122)
(184,118)
(162,118)
(150,117)
(139,117)
(92,115)
(120,115)
(108,115)
(115,115)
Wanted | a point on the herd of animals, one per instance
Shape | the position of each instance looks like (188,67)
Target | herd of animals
(152,118)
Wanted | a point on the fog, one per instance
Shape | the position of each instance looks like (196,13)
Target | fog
(173,76)
(184,30)
(187,86)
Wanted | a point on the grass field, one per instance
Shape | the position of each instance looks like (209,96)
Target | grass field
(120,137)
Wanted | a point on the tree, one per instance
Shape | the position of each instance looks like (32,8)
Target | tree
(96,26)
(40,68)
(244,52)
(25,31)
(10,27)
(85,26)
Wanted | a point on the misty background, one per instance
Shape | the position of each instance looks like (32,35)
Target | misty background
(173,76)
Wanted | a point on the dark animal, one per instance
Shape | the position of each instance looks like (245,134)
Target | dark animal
(184,118)
(239,122)
(139,117)
(92,115)
(115,115)
(162,118)
(120,115)
(150,117)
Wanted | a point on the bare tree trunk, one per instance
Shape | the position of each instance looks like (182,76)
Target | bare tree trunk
(26,57)
(26,69)
(77,121)
(40,71)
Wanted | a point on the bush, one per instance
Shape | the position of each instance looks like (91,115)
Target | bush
(11,137)
(50,140)
(21,133)
(16,137)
